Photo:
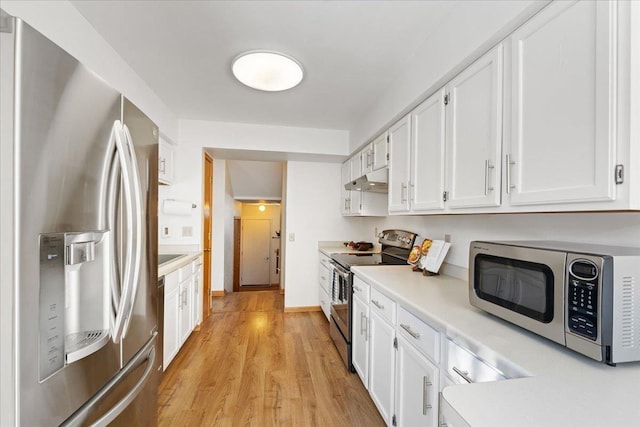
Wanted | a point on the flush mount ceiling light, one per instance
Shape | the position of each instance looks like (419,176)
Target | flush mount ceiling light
(268,71)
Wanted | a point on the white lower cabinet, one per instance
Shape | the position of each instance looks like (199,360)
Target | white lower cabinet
(325,274)
(171,338)
(382,364)
(182,308)
(417,387)
(360,339)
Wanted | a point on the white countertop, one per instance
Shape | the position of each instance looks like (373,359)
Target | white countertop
(564,388)
(177,263)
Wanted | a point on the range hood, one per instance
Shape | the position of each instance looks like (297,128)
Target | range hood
(376,181)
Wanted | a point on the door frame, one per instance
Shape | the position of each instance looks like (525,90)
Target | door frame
(207,223)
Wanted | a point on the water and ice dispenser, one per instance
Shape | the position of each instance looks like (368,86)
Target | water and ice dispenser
(75,297)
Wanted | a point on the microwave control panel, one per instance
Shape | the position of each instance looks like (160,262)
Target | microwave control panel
(582,301)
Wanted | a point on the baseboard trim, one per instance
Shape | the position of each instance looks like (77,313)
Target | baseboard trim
(217,293)
(303,309)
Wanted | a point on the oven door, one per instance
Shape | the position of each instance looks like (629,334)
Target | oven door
(341,301)
(522,285)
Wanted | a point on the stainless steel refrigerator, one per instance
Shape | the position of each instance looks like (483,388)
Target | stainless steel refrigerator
(84,220)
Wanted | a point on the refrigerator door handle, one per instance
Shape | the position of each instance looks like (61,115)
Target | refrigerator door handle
(146,355)
(137,224)
(128,172)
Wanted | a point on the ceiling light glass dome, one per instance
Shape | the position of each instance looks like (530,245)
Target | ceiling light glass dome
(266,70)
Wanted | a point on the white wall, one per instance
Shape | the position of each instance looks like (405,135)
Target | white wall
(231,210)
(242,136)
(65,26)
(464,33)
(619,229)
(312,213)
(187,187)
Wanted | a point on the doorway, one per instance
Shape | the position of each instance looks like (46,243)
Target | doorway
(255,251)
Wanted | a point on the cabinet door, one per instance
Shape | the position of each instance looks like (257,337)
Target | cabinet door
(380,151)
(474,133)
(196,308)
(562,146)
(171,330)
(356,166)
(428,154)
(417,387)
(360,340)
(185,310)
(345,194)
(366,156)
(382,365)
(166,158)
(399,157)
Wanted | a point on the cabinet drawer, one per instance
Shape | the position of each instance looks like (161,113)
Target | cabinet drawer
(196,265)
(185,272)
(383,305)
(423,336)
(171,281)
(361,289)
(325,279)
(465,367)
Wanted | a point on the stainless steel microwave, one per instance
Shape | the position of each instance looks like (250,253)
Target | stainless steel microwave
(585,297)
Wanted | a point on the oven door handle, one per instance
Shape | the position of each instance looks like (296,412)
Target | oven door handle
(340,270)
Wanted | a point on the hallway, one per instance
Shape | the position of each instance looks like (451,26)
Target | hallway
(252,364)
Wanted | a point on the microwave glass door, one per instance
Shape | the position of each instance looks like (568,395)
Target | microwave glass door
(521,286)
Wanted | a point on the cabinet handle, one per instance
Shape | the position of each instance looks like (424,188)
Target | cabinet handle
(425,396)
(366,328)
(509,164)
(377,304)
(403,192)
(412,191)
(410,331)
(463,374)
(162,165)
(487,187)
(362,328)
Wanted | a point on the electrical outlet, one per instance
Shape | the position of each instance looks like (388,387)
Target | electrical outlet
(375,232)
(166,232)
(447,238)
(187,231)
(292,237)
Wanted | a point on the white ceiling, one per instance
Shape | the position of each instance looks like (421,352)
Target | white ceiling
(351,52)
(251,180)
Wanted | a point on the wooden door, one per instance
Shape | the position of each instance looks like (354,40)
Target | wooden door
(256,244)
(206,234)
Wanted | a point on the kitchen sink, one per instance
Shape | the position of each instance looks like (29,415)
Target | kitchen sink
(165,258)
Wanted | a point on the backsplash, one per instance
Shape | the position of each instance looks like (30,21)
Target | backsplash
(620,229)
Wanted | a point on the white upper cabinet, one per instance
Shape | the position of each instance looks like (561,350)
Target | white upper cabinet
(562,139)
(399,162)
(474,133)
(366,159)
(166,161)
(428,154)
(380,151)
(356,167)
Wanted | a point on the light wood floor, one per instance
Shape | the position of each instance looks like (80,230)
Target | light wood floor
(252,364)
